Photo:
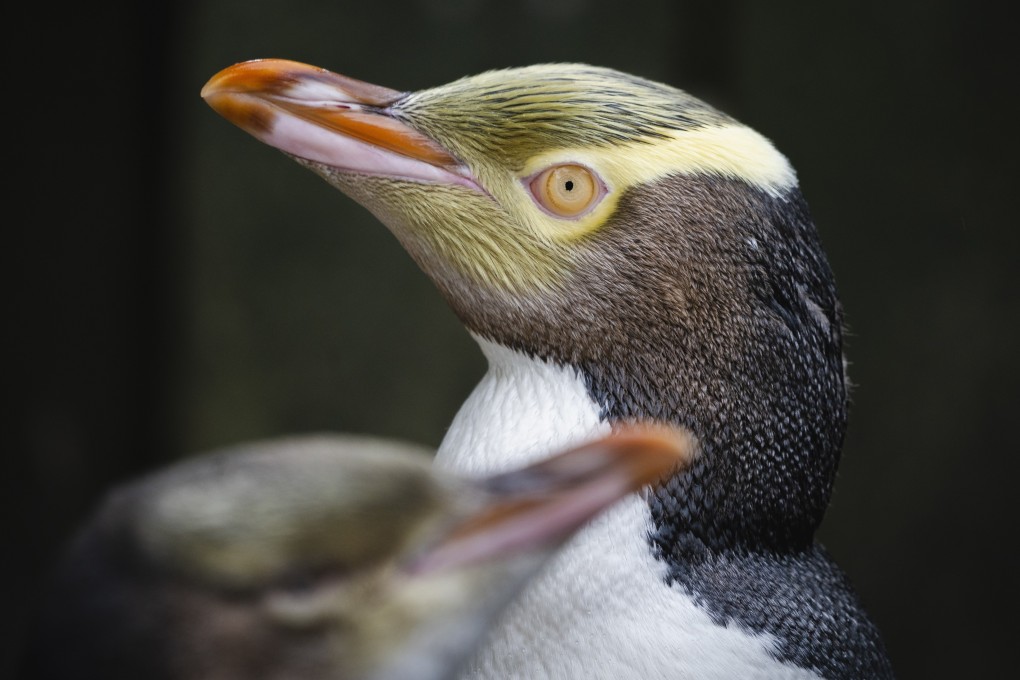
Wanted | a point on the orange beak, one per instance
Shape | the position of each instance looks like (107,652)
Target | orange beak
(545,503)
(327,118)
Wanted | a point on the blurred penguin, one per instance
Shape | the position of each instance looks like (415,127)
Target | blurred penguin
(319,557)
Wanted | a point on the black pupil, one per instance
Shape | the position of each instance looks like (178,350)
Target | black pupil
(569,185)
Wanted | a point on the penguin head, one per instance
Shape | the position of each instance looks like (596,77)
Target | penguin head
(595,219)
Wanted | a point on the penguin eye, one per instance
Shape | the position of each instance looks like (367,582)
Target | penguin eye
(567,190)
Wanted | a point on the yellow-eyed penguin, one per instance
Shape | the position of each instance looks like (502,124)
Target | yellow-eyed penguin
(320,558)
(621,251)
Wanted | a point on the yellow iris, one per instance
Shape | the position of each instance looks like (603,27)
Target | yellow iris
(567,190)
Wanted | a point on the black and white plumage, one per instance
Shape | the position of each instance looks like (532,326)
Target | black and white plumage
(622,252)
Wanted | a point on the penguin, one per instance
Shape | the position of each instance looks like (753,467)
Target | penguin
(622,252)
(332,557)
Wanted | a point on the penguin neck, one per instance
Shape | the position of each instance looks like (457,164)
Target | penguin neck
(523,408)
(527,406)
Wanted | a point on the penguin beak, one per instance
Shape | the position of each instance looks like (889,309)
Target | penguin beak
(327,118)
(542,505)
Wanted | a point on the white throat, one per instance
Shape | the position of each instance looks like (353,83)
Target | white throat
(601,608)
(523,409)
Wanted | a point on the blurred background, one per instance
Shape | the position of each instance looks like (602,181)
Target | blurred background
(180,286)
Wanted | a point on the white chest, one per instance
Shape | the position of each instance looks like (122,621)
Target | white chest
(600,609)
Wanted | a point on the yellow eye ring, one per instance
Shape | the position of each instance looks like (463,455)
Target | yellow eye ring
(568,190)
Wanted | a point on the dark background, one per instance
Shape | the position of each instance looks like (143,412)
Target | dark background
(178,286)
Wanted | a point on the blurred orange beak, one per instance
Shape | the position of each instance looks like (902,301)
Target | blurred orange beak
(544,504)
